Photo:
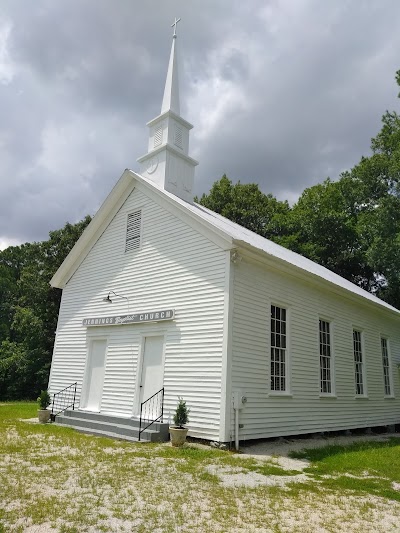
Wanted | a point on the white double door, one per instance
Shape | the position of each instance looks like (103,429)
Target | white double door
(150,375)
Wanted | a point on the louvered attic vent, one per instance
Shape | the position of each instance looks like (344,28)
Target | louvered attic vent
(158,136)
(178,137)
(133,231)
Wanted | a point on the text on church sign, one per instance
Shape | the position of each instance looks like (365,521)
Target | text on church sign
(134,318)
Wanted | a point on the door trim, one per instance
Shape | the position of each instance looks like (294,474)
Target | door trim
(142,342)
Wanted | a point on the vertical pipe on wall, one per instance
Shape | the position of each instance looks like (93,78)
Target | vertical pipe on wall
(236,429)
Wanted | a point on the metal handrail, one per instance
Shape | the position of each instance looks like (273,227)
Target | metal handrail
(156,401)
(63,397)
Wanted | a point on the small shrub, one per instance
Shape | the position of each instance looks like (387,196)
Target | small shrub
(181,416)
(43,400)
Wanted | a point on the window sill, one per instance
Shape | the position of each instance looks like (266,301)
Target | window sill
(391,397)
(280,394)
(326,395)
(361,397)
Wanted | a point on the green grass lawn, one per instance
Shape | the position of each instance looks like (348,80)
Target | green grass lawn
(364,467)
(60,480)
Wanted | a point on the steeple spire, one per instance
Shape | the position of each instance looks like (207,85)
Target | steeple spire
(171,92)
(167,162)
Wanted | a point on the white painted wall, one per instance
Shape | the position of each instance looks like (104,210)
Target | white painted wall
(256,286)
(219,341)
(177,268)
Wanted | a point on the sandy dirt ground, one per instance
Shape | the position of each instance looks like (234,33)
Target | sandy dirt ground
(146,506)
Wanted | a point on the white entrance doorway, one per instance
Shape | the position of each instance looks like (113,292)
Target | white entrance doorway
(95,375)
(151,380)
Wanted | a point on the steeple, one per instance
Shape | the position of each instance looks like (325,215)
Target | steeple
(171,91)
(167,162)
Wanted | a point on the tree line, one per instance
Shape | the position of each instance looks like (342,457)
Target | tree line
(29,311)
(351,226)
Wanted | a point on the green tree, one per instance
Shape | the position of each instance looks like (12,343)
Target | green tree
(29,309)
(246,205)
(324,226)
(378,180)
(351,226)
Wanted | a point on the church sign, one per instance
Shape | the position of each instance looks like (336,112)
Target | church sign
(153,316)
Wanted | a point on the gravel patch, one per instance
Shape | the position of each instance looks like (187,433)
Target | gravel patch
(30,420)
(230,477)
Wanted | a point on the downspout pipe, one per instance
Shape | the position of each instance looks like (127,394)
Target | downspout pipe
(236,428)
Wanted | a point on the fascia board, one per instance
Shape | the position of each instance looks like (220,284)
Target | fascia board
(281,265)
(169,148)
(94,230)
(172,115)
(183,156)
(196,222)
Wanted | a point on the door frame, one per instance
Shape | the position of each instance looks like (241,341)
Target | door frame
(143,334)
(91,337)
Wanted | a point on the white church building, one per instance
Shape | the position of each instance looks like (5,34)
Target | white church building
(163,298)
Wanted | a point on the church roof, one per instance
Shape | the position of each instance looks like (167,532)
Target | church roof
(248,239)
(227,233)
(243,236)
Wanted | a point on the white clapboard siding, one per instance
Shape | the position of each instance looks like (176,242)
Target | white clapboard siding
(256,287)
(174,268)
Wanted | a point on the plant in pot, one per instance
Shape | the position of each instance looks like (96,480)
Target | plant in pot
(178,432)
(43,402)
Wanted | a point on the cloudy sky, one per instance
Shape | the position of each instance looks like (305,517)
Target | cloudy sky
(281,92)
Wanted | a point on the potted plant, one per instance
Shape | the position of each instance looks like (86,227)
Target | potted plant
(43,402)
(178,432)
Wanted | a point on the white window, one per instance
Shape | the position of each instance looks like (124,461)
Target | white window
(325,357)
(278,349)
(358,363)
(133,229)
(386,366)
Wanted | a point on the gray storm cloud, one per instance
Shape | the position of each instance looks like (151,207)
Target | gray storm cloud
(282,93)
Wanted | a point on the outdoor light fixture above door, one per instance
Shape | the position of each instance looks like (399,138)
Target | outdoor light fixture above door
(107,299)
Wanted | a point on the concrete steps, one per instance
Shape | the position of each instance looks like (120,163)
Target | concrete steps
(112,426)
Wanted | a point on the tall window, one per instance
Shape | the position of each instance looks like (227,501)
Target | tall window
(325,357)
(386,366)
(278,349)
(358,362)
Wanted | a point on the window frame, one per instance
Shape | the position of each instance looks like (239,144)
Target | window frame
(332,393)
(287,390)
(389,366)
(364,394)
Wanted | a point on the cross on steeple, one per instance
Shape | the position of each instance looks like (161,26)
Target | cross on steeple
(174,25)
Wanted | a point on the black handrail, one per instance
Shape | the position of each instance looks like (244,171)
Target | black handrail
(62,400)
(150,407)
